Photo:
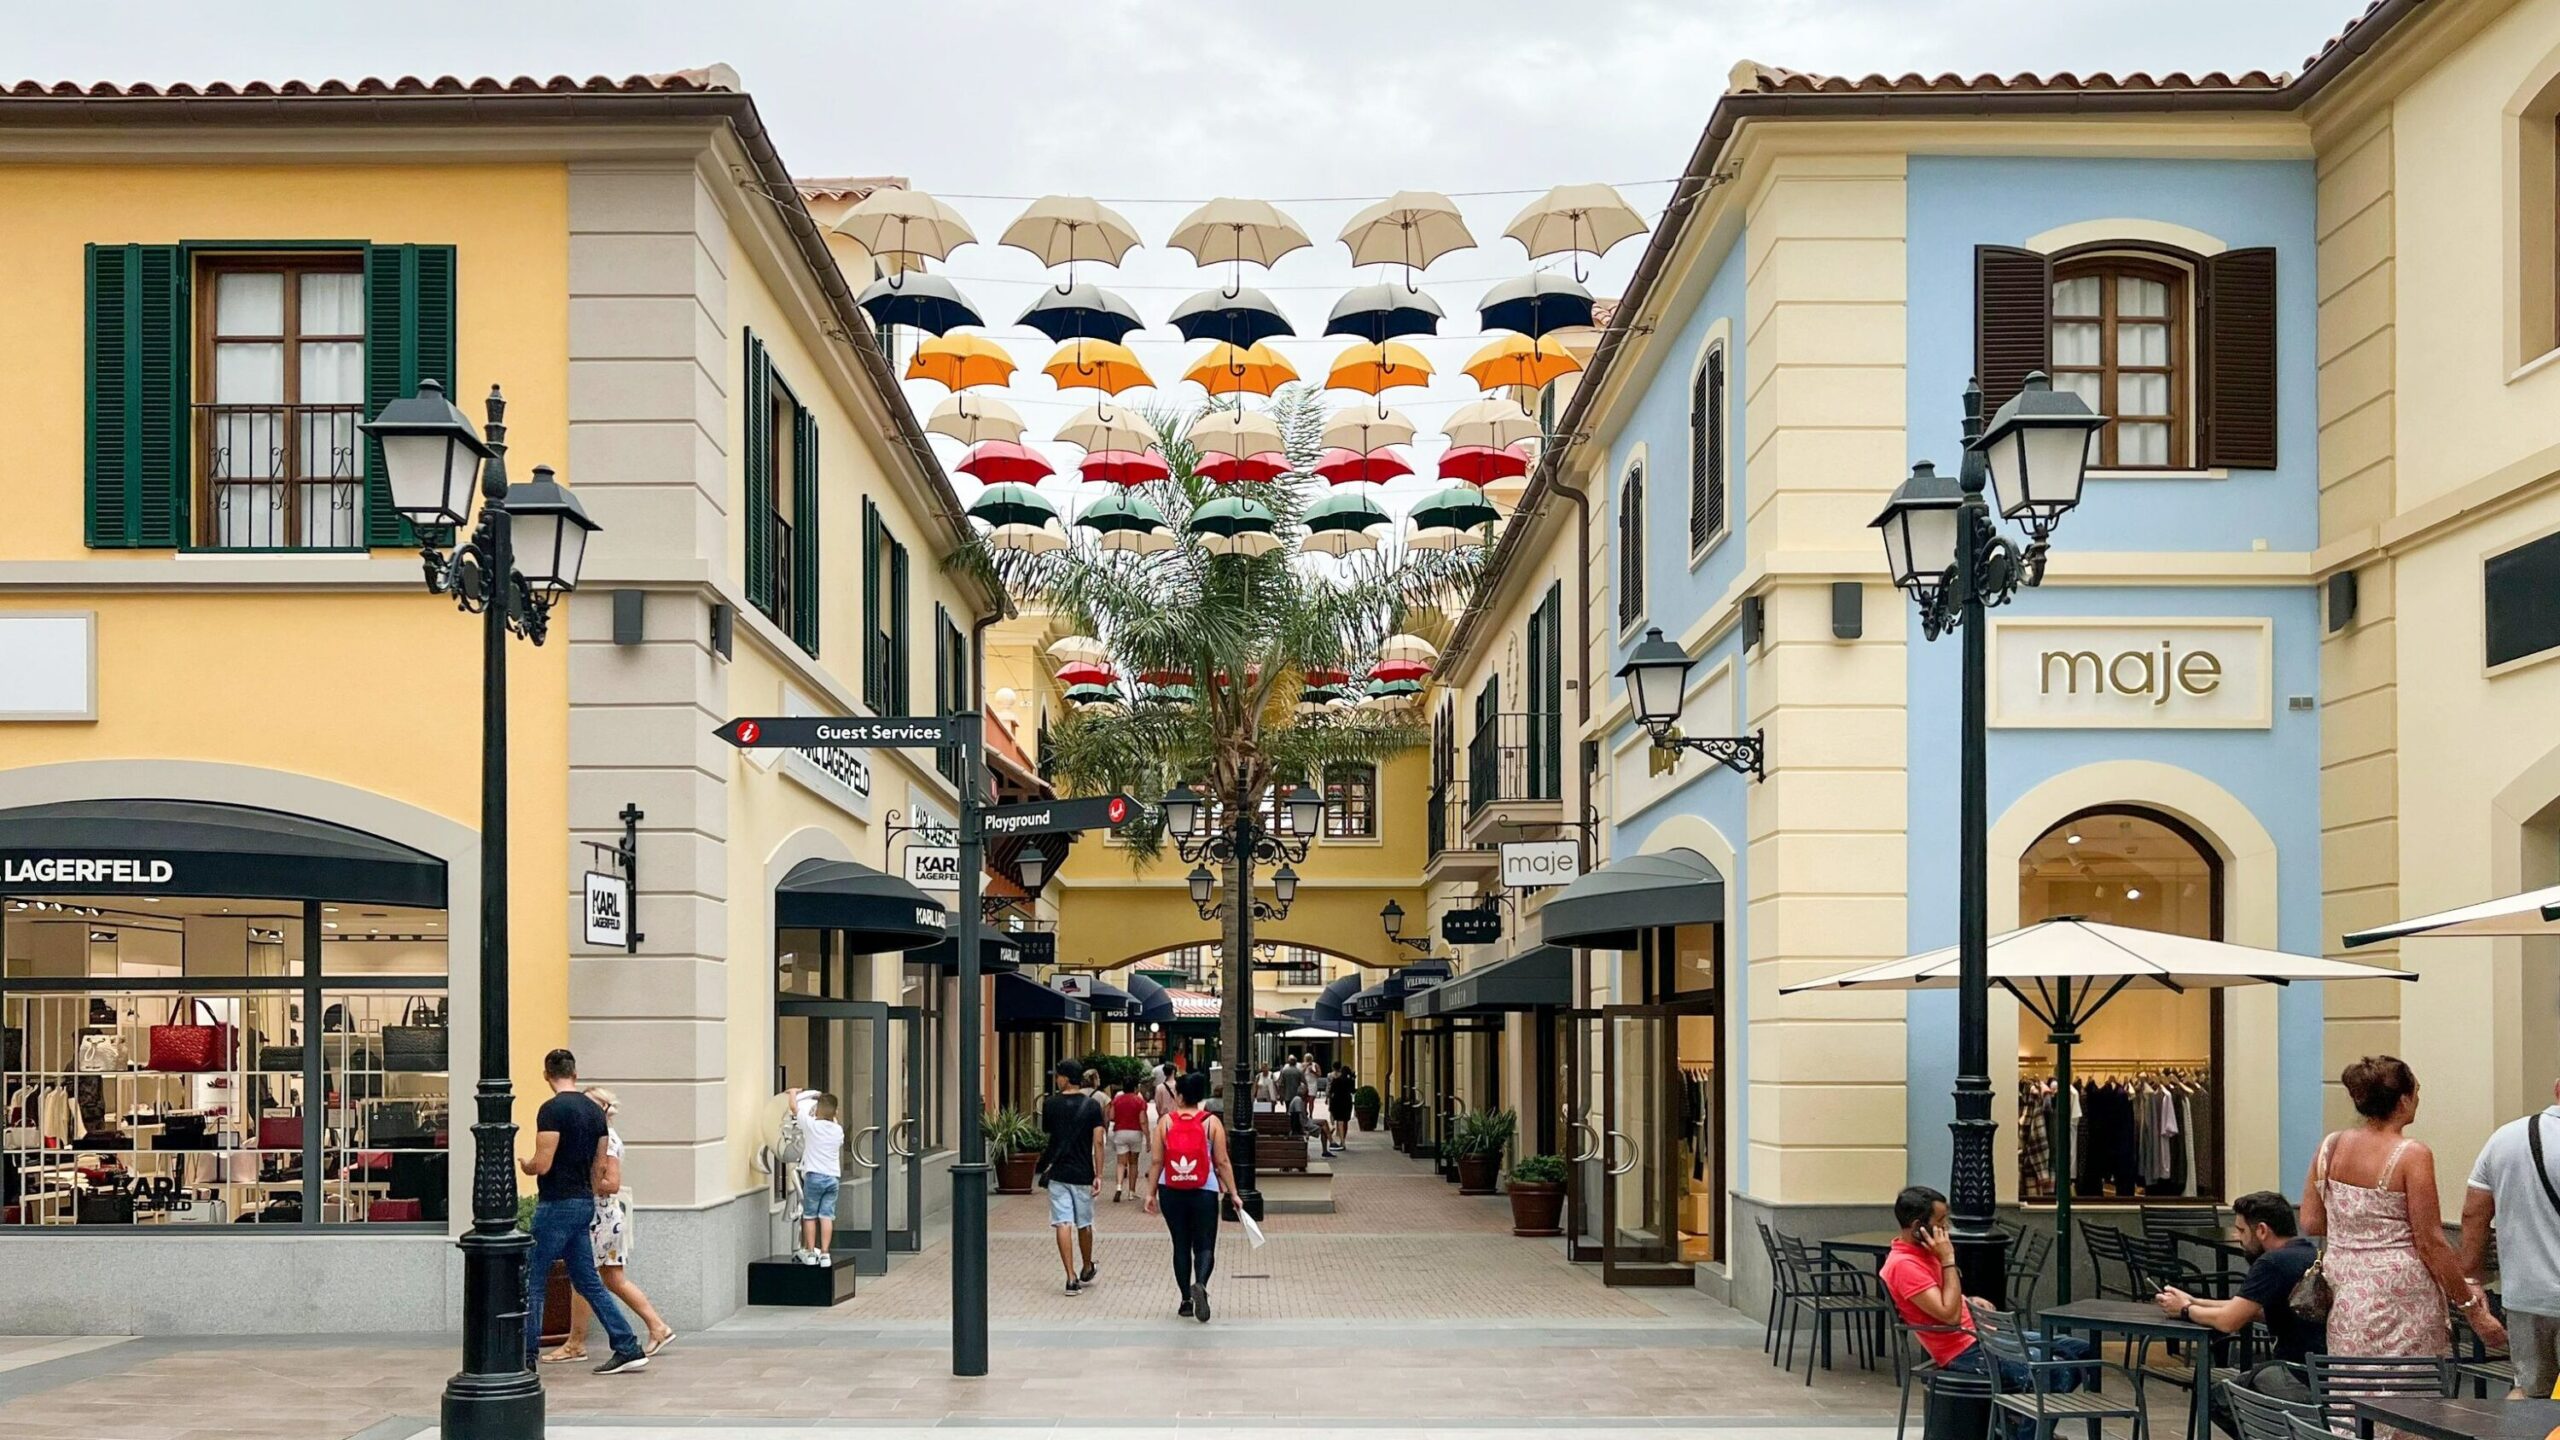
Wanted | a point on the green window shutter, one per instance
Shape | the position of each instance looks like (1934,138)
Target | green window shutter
(138,471)
(874,692)
(408,338)
(898,634)
(759,465)
(804,530)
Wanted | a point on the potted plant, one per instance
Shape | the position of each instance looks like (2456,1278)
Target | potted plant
(555,1286)
(1537,1195)
(1016,1141)
(1364,1106)
(1480,1139)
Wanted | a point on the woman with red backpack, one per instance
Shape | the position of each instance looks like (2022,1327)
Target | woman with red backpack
(1190,1182)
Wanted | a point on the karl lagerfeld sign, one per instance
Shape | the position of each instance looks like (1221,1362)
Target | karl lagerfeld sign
(85,870)
(2147,674)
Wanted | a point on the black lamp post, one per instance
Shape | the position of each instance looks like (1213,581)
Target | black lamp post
(1657,679)
(521,558)
(1391,919)
(1942,545)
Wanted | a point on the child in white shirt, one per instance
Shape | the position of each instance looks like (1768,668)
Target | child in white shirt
(821,1172)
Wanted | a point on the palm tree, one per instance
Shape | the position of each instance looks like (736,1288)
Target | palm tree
(1241,632)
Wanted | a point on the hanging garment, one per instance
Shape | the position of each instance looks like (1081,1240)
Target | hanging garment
(2035,1147)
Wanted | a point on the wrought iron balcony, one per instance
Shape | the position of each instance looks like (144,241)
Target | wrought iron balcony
(281,477)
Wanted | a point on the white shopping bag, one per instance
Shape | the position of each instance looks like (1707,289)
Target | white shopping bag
(1252,1231)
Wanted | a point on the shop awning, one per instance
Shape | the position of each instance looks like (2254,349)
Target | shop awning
(878,913)
(1023,1003)
(1527,981)
(1367,1007)
(1155,1006)
(997,955)
(188,847)
(1329,1006)
(1612,906)
(1109,1001)
(1394,992)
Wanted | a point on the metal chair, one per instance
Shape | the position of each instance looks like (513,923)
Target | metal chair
(1911,1362)
(2168,1222)
(2338,1380)
(2029,1252)
(2264,1417)
(2111,1262)
(1827,1291)
(1781,1292)
(2006,1346)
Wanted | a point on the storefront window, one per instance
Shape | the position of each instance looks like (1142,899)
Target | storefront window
(177,1060)
(2146,1072)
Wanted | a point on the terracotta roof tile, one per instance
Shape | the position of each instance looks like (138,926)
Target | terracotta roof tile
(717,77)
(1754,79)
(848,187)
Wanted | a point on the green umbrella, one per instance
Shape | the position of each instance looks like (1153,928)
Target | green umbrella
(1092,695)
(1388,692)
(1458,507)
(1126,522)
(1236,526)
(1167,695)
(1343,522)
(1012,504)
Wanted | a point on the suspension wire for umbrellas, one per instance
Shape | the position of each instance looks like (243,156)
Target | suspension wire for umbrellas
(1299,199)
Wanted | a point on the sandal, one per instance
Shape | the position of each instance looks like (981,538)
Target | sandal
(563,1355)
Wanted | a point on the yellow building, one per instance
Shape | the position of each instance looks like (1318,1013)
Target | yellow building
(239,742)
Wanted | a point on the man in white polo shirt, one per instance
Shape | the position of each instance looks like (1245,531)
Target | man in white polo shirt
(2515,1191)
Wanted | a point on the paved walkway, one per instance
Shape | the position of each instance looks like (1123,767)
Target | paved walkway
(1411,1310)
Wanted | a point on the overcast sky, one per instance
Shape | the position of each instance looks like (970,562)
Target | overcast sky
(1174,101)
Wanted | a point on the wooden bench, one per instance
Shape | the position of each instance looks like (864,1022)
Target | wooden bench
(1274,1148)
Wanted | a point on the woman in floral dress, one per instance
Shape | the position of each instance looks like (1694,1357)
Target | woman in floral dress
(611,1236)
(2372,1192)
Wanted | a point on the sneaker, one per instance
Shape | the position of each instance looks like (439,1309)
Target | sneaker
(1200,1304)
(1185,1311)
(1089,1272)
(823,1259)
(1075,1287)
(621,1363)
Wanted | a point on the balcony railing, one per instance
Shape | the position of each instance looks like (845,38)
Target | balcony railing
(1516,757)
(1446,821)
(282,477)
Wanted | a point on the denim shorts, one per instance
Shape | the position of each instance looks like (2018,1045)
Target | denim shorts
(1071,1204)
(818,1197)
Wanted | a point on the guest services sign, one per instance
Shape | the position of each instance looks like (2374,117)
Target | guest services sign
(2154,674)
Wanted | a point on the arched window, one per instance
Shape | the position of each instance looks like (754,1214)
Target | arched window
(1707,452)
(1631,547)
(2120,341)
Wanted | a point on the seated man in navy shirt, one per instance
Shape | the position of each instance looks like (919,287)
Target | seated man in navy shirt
(2263,1223)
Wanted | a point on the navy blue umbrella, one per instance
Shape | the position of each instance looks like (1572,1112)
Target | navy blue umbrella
(1380,313)
(1536,305)
(924,302)
(1082,312)
(1240,319)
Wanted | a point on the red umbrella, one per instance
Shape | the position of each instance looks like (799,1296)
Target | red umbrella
(1328,677)
(1085,672)
(1482,464)
(1164,677)
(1000,462)
(1124,467)
(1399,670)
(1230,470)
(1342,466)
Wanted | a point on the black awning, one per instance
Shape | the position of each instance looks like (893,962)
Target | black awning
(877,913)
(1155,1007)
(997,955)
(1367,1007)
(1330,1005)
(1023,1003)
(190,847)
(1109,1001)
(1612,906)
(1531,980)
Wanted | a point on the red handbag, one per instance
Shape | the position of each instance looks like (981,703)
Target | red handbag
(392,1211)
(280,1132)
(189,1048)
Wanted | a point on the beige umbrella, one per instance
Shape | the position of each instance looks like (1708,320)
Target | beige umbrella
(972,418)
(1588,219)
(1239,433)
(1026,539)
(1494,422)
(1411,228)
(1063,229)
(1237,231)
(1365,427)
(1115,427)
(906,222)
(1409,647)
(1073,649)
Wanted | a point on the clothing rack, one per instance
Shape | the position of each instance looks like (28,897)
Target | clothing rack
(2084,1063)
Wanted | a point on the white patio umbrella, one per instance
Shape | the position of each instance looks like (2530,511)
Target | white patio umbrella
(2535,912)
(2065,970)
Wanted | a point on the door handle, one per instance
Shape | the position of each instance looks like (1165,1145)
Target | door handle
(1588,1130)
(906,1151)
(867,1162)
(1634,1157)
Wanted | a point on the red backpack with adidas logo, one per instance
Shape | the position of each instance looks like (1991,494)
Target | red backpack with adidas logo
(1186,1150)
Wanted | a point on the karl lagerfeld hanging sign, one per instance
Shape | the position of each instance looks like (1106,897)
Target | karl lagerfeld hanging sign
(84,870)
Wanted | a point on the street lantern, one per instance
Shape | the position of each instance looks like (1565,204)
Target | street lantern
(430,456)
(1033,867)
(1284,884)
(1181,812)
(2038,446)
(1656,676)
(550,532)
(1393,918)
(1303,811)
(1920,528)
(1202,883)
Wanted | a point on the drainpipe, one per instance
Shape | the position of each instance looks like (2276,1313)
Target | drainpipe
(1582,703)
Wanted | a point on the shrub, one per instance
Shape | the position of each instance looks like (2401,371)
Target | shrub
(1485,1132)
(1538,1170)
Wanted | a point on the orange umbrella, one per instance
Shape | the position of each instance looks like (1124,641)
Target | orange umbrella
(960,361)
(1096,365)
(1372,368)
(1227,370)
(1519,360)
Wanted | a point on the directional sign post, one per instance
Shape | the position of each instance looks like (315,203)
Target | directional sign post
(1051,817)
(835,732)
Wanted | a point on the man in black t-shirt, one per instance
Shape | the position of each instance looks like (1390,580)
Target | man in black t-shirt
(1071,1169)
(2263,1223)
(568,1131)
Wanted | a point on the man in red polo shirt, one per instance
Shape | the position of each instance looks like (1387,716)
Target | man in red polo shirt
(1928,1291)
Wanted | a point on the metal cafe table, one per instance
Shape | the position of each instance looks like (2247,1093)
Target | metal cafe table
(2459,1419)
(2141,1320)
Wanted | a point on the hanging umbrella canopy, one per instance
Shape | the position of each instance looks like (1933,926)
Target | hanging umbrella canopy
(972,418)
(1519,360)
(1482,464)
(1239,319)
(1125,467)
(1344,512)
(1068,649)
(1165,676)
(1230,370)
(1366,427)
(1380,313)
(1536,304)
(1444,537)
(1081,312)
(1238,433)
(1339,543)
(1495,421)
(1118,513)
(996,462)
(1012,503)
(961,361)
(1402,646)
(1235,526)
(2535,912)
(1092,695)
(1237,230)
(1589,219)
(1372,368)
(891,221)
(1063,229)
(1398,670)
(1026,539)
(1411,228)
(1085,673)
(1102,365)
(1391,692)
(1259,468)
(1107,427)
(1351,467)
(1458,507)
(1167,695)
(922,302)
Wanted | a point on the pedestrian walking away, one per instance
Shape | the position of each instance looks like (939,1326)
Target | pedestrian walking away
(2514,1193)
(1191,1176)
(1289,1089)
(821,1173)
(568,1145)
(1071,1170)
(611,1236)
(1337,1104)
(1129,1125)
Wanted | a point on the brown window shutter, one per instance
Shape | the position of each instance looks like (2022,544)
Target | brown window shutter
(2239,381)
(2012,325)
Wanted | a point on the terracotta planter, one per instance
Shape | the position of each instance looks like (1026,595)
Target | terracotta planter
(1476,1173)
(555,1305)
(1537,1209)
(1014,1172)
